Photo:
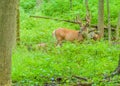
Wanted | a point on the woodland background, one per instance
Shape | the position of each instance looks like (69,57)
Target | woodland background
(33,66)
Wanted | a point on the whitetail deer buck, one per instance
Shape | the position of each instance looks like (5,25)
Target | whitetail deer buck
(68,35)
(71,35)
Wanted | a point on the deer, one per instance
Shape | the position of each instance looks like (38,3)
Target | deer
(62,34)
(66,34)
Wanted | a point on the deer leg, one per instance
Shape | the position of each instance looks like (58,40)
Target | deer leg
(59,42)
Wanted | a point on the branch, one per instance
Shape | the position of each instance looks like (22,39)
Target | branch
(70,21)
(75,22)
(81,78)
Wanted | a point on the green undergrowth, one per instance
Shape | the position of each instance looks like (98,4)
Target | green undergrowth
(33,66)
(92,60)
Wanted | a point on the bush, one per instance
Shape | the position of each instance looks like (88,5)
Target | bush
(28,5)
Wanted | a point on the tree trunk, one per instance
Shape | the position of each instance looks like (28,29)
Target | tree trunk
(18,24)
(118,27)
(7,37)
(109,27)
(70,4)
(101,17)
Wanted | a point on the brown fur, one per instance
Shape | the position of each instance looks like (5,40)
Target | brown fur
(68,35)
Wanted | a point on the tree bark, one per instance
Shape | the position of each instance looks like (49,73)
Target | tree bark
(118,27)
(109,26)
(70,4)
(18,24)
(101,17)
(7,37)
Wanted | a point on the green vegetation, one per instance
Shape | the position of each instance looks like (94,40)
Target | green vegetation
(32,66)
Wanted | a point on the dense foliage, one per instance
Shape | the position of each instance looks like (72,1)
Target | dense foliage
(33,65)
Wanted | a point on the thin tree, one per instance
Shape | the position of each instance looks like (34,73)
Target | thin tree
(118,27)
(18,24)
(101,17)
(7,36)
(70,4)
(109,26)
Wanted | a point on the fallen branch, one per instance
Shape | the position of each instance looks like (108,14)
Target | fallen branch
(74,22)
(81,78)
(84,84)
